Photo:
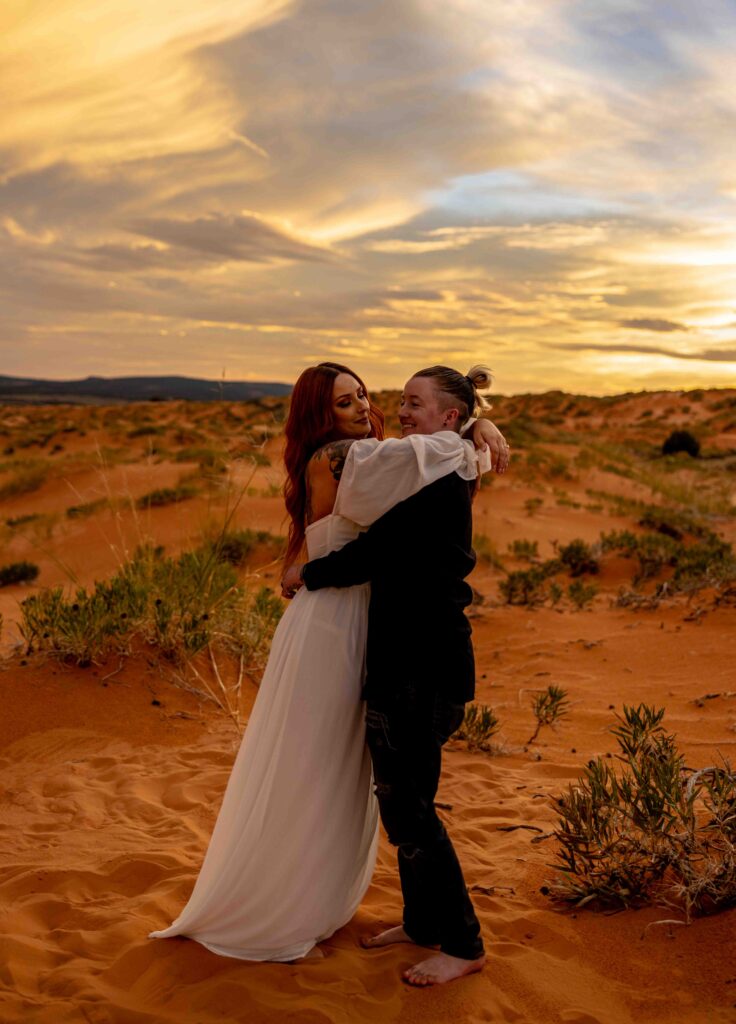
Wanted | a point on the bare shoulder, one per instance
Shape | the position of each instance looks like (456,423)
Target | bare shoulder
(330,459)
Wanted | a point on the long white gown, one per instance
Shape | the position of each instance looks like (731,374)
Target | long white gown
(294,845)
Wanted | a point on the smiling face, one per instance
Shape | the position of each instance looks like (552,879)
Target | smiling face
(423,409)
(350,408)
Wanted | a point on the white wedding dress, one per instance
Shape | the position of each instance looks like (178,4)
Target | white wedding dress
(294,845)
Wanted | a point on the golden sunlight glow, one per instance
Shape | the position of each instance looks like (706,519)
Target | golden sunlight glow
(257,184)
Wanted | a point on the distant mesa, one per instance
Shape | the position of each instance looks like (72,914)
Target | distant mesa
(103,390)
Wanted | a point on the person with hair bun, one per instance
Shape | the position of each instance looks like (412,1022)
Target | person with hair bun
(420,672)
(294,844)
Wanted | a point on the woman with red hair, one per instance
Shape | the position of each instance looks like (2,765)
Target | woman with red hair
(294,845)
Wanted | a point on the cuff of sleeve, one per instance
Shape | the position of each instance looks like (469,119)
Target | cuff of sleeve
(308,577)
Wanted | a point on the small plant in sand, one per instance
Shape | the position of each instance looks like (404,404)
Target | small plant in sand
(479,727)
(22,520)
(533,505)
(655,831)
(524,550)
(485,551)
(578,558)
(581,594)
(235,546)
(524,586)
(167,496)
(549,706)
(24,480)
(17,572)
(87,508)
(528,586)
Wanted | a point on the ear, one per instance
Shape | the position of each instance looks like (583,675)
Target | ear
(450,418)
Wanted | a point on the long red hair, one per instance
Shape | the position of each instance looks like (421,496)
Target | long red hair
(310,425)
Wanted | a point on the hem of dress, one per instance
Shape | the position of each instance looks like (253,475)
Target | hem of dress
(256,955)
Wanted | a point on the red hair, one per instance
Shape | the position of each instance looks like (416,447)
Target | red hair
(310,425)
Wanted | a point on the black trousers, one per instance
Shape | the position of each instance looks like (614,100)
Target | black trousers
(405,736)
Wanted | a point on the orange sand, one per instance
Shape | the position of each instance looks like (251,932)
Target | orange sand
(110,779)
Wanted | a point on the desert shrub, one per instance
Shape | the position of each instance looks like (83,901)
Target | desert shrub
(259,458)
(167,496)
(548,706)
(178,606)
(478,728)
(485,551)
(87,508)
(526,550)
(527,586)
(672,522)
(681,441)
(521,431)
(581,594)
(706,561)
(28,517)
(24,480)
(565,501)
(210,460)
(234,546)
(146,431)
(533,505)
(17,572)
(709,561)
(578,558)
(655,831)
(248,626)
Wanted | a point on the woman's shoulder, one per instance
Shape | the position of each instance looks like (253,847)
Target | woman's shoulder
(329,460)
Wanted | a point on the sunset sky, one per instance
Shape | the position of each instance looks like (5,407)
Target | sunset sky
(249,186)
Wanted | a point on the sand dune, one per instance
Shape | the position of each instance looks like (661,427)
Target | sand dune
(111,776)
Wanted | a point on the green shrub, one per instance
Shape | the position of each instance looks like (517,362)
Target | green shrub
(581,594)
(17,572)
(577,557)
(479,727)
(234,546)
(549,706)
(259,458)
(167,496)
(525,550)
(656,831)
(528,586)
(533,505)
(23,481)
(485,551)
(23,520)
(178,606)
(146,431)
(88,508)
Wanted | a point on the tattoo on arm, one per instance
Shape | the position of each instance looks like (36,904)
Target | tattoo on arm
(335,452)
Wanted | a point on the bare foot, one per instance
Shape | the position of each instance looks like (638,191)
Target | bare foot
(436,970)
(388,938)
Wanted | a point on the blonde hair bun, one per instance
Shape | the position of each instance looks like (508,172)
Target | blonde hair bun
(481,378)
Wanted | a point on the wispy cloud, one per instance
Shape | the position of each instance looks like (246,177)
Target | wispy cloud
(259,183)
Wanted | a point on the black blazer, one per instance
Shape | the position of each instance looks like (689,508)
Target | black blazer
(416,558)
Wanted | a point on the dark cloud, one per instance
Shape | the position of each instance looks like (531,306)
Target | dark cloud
(659,326)
(236,237)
